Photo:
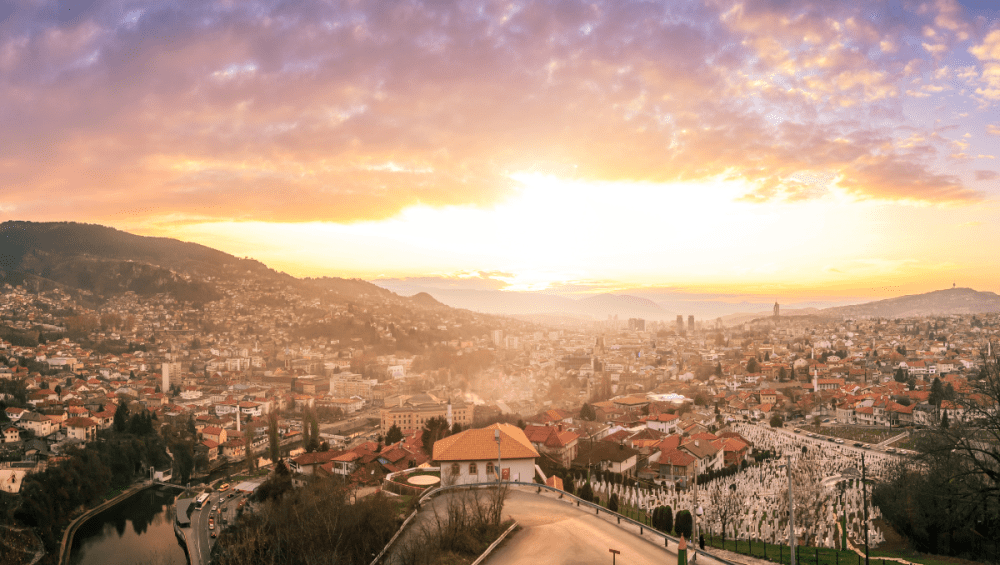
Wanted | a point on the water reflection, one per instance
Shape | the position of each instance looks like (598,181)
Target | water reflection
(108,539)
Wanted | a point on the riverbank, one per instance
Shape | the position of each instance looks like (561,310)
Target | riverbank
(68,534)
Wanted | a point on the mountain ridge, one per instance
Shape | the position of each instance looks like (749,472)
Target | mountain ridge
(101,261)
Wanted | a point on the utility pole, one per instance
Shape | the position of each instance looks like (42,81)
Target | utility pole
(694,512)
(791,511)
(864,491)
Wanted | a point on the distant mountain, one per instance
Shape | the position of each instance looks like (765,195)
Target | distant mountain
(502,303)
(426,300)
(101,262)
(938,302)
(624,306)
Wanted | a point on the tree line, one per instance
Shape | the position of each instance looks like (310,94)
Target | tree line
(49,499)
(949,501)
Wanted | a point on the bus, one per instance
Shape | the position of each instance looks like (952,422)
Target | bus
(201,500)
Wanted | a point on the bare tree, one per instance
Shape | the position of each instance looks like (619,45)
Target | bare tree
(810,494)
(724,506)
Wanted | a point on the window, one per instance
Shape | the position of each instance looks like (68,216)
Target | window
(473,470)
(490,469)
(455,470)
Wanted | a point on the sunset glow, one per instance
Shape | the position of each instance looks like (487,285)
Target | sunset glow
(799,149)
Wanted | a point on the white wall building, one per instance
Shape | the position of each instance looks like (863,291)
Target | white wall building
(471,456)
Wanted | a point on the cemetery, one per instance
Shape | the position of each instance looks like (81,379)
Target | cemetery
(753,503)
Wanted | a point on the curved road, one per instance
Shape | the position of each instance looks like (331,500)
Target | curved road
(557,532)
(202,541)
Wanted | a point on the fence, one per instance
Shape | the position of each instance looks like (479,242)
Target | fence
(401,489)
(804,555)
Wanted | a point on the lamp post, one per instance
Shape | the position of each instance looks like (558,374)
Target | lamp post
(698,512)
(864,492)
(496,436)
(791,512)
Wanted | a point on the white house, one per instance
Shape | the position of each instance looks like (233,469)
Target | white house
(82,429)
(472,456)
(251,409)
(11,434)
(38,424)
(666,423)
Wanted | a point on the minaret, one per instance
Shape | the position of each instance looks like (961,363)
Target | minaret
(815,381)
(451,421)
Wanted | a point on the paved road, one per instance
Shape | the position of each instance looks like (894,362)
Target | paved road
(556,532)
(202,541)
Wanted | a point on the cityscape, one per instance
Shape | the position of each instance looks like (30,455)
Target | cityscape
(499,282)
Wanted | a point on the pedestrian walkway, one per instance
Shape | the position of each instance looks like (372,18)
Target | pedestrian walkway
(889,441)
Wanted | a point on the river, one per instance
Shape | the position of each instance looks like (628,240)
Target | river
(139,530)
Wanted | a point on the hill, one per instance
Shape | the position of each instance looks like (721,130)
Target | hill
(938,302)
(100,262)
(426,300)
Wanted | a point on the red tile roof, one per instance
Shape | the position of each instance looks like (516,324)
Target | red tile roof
(480,445)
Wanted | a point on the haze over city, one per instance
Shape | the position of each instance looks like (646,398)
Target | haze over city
(820,152)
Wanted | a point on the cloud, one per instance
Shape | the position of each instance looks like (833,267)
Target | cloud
(989,49)
(348,111)
(987,175)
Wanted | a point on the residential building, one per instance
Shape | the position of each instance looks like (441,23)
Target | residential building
(473,455)
(410,413)
(81,429)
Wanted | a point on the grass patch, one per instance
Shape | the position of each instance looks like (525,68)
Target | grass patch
(806,555)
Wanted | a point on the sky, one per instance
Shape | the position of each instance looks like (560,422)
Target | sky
(772,148)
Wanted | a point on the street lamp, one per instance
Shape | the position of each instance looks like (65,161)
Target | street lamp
(496,436)
(699,512)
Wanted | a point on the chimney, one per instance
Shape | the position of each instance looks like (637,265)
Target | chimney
(696,443)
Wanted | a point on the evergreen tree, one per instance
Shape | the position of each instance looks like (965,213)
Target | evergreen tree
(395,434)
(121,417)
(434,429)
(613,503)
(937,393)
(306,443)
(313,430)
(273,438)
(684,524)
